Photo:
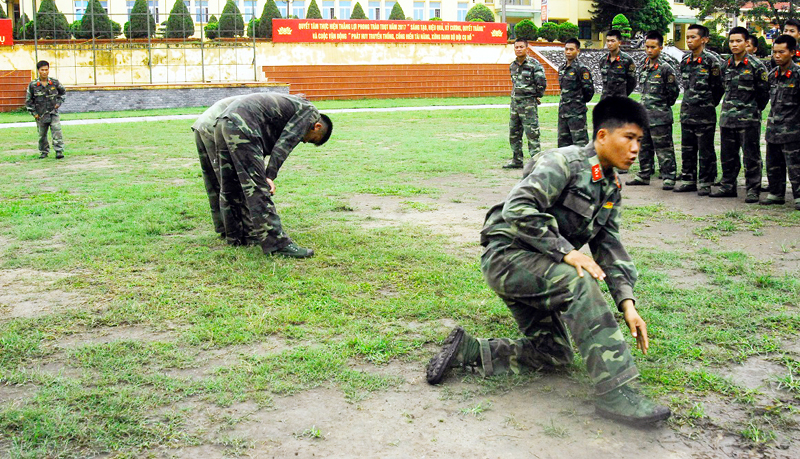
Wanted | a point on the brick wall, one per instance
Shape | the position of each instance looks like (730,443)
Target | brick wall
(13,84)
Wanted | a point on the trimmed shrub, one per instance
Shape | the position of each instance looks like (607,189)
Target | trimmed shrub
(717,43)
(567,30)
(270,12)
(3,13)
(179,23)
(358,12)
(549,31)
(313,11)
(140,22)
(212,28)
(19,30)
(252,26)
(96,21)
(764,49)
(435,19)
(480,11)
(621,23)
(50,23)
(397,13)
(526,29)
(231,22)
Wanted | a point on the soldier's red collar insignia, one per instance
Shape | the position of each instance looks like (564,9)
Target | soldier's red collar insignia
(699,60)
(746,61)
(616,181)
(797,53)
(778,73)
(597,173)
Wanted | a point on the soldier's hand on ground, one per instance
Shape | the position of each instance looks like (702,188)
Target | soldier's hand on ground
(636,324)
(271,186)
(583,262)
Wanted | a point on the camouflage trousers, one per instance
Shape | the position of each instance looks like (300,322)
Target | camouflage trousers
(749,140)
(572,131)
(783,158)
(524,118)
(244,192)
(53,123)
(543,296)
(657,141)
(698,156)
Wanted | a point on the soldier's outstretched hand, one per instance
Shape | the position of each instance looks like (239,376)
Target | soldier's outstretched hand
(636,324)
(584,262)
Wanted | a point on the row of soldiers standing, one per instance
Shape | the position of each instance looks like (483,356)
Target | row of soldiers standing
(742,83)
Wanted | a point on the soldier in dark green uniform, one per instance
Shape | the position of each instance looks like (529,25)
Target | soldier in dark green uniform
(702,90)
(247,131)
(752,46)
(617,69)
(783,124)
(568,197)
(42,100)
(746,95)
(528,84)
(660,90)
(577,88)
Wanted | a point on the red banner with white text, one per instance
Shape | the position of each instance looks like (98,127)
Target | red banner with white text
(361,31)
(6,33)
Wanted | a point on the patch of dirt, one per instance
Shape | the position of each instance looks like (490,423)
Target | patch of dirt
(211,360)
(30,293)
(758,373)
(105,335)
(686,279)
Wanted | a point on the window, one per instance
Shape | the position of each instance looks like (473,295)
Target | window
(105,6)
(419,11)
(129,5)
(80,8)
(201,11)
(387,10)
(374,10)
(461,12)
(435,10)
(344,10)
(299,11)
(283,7)
(249,10)
(328,10)
(153,5)
(585,30)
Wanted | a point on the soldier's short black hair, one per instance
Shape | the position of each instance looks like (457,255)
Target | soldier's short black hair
(521,40)
(739,31)
(328,125)
(614,112)
(701,29)
(792,22)
(788,40)
(655,35)
(753,40)
(614,33)
(41,64)
(573,41)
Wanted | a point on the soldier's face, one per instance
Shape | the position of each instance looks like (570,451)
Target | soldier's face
(781,54)
(315,134)
(44,71)
(791,30)
(750,48)
(571,51)
(620,147)
(652,48)
(693,39)
(612,44)
(520,49)
(737,44)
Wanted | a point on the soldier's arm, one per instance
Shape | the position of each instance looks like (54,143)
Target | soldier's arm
(588,85)
(610,254)
(673,90)
(762,87)
(715,81)
(30,104)
(61,94)
(630,78)
(526,207)
(292,134)
(539,80)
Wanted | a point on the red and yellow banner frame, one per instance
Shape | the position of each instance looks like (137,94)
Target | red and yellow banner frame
(361,31)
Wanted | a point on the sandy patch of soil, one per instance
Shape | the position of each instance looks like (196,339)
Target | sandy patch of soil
(30,293)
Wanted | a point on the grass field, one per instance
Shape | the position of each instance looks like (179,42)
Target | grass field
(118,237)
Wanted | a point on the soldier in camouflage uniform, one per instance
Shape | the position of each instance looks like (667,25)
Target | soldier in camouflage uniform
(747,93)
(783,124)
(567,198)
(617,69)
(528,84)
(791,28)
(247,131)
(659,92)
(702,90)
(577,88)
(42,100)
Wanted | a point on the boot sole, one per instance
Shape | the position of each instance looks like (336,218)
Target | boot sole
(440,363)
(655,417)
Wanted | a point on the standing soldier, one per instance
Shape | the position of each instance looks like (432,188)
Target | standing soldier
(783,123)
(249,130)
(659,91)
(528,84)
(702,90)
(577,88)
(568,197)
(751,45)
(792,28)
(42,100)
(747,93)
(617,69)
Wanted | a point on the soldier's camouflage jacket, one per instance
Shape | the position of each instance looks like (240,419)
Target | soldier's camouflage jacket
(783,122)
(564,202)
(619,75)
(528,80)
(206,121)
(577,88)
(43,97)
(746,93)
(278,122)
(702,88)
(660,90)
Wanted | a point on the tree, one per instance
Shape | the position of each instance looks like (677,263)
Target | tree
(760,12)
(231,22)
(567,30)
(19,31)
(480,11)
(212,28)
(95,22)
(252,27)
(140,22)
(656,15)
(269,13)
(3,13)
(358,12)
(549,31)
(397,13)
(50,23)
(764,49)
(313,11)
(603,11)
(179,23)
(622,24)
(526,29)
